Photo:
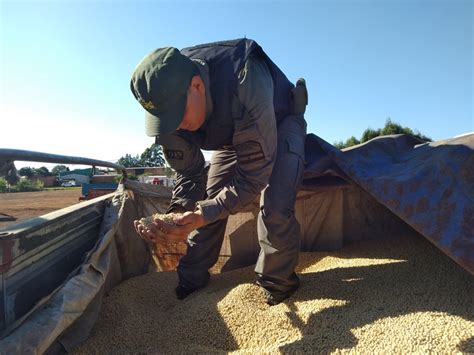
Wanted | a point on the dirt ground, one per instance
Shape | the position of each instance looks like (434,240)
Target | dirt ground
(25,205)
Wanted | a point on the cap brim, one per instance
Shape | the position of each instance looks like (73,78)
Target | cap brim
(159,123)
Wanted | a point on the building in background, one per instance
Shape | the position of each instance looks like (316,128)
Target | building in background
(158,170)
(48,181)
(80,176)
(161,180)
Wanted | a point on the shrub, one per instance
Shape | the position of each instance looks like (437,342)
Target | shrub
(28,185)
(3,185)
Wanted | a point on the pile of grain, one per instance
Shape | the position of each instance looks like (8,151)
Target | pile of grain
(377,296)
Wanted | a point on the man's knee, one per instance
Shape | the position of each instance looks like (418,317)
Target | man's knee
(276,211)
(279,228)
(279,197)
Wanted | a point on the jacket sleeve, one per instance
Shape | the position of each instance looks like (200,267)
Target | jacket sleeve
(188,161)
(254,141)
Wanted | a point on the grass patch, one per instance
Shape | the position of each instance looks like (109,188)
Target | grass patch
(56,188)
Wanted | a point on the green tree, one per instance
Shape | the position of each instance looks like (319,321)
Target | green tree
(369,134)
(349,142)
(129,161)
(59,169)
(389,128)
(43,171)
(27,171)
(394,128)
(152,156)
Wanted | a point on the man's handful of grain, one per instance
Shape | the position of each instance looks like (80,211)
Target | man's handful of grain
(165,254)
(167,218)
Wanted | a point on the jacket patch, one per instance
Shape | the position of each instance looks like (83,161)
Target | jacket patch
(174,154)
(249,152)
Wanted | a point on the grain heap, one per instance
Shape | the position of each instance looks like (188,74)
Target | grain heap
(391,296)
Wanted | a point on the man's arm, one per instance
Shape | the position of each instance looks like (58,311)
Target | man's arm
(254,140)
(188,161)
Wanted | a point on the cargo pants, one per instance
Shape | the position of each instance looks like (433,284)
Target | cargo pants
(278,230)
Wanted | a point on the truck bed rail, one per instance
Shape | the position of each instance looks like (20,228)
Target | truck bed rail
(9,155)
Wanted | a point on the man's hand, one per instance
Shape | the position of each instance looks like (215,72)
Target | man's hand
(151,233)
(160,231)
(184,224)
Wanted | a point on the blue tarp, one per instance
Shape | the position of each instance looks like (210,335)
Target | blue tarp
(430,186)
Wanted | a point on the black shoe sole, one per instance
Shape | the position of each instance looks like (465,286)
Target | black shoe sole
(273,300)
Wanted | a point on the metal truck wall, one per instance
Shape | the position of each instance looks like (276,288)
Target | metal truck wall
(64,317)
(39,254)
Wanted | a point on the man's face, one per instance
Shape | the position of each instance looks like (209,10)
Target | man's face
(195,112)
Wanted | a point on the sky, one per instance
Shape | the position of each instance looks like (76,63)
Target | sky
(65,65)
